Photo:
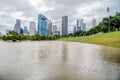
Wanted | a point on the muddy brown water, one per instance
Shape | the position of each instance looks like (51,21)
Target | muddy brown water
(57,60)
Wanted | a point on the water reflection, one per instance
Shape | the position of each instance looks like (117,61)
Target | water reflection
(59,73)
(43,53)
(64,52)
(58,61)
(118,76)
(111,56)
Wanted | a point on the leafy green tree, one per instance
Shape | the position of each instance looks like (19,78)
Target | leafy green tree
(56,37)
(115,22)
(71,34)
(24,37)
(12,35)
(4,38)
(49,37)
(35,37)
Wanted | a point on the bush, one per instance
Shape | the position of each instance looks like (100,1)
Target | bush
(36,37)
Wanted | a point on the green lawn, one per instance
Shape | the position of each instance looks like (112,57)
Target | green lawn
(108,39)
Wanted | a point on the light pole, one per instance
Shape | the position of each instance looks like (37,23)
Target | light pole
(108,10)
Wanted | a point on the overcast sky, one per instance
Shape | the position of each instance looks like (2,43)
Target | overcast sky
(28,10)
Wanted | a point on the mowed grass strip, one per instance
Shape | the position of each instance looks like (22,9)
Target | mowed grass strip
(108,39)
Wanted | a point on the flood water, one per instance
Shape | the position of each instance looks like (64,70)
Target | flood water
(56,60)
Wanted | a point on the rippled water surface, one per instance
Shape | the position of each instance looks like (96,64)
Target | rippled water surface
(57,60)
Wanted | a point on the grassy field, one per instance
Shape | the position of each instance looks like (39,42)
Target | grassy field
(107,39)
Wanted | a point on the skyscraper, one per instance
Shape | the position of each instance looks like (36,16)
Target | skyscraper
(84,27)
(74,29)
(21,31)
(42,25)
(94,22)
(32,28)
(25,31)
(49,27)
(64,25)
(54,28)
(79,24)
(17,25)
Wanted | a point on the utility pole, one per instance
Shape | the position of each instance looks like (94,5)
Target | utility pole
(108,10)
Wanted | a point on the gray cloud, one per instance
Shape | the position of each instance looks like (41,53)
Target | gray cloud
(75,9)
(67,7)
(10,10)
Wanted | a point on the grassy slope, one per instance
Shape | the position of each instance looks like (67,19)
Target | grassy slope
(108,39)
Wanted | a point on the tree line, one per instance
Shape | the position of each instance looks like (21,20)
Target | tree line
(14,36)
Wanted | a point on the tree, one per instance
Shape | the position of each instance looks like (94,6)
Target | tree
(115,22)
(49,37)
(12,35)
(23,37)
(35,37)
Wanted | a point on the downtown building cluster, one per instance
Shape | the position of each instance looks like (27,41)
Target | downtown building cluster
(44,26)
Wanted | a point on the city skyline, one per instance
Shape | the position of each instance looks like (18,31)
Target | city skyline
(85,9)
